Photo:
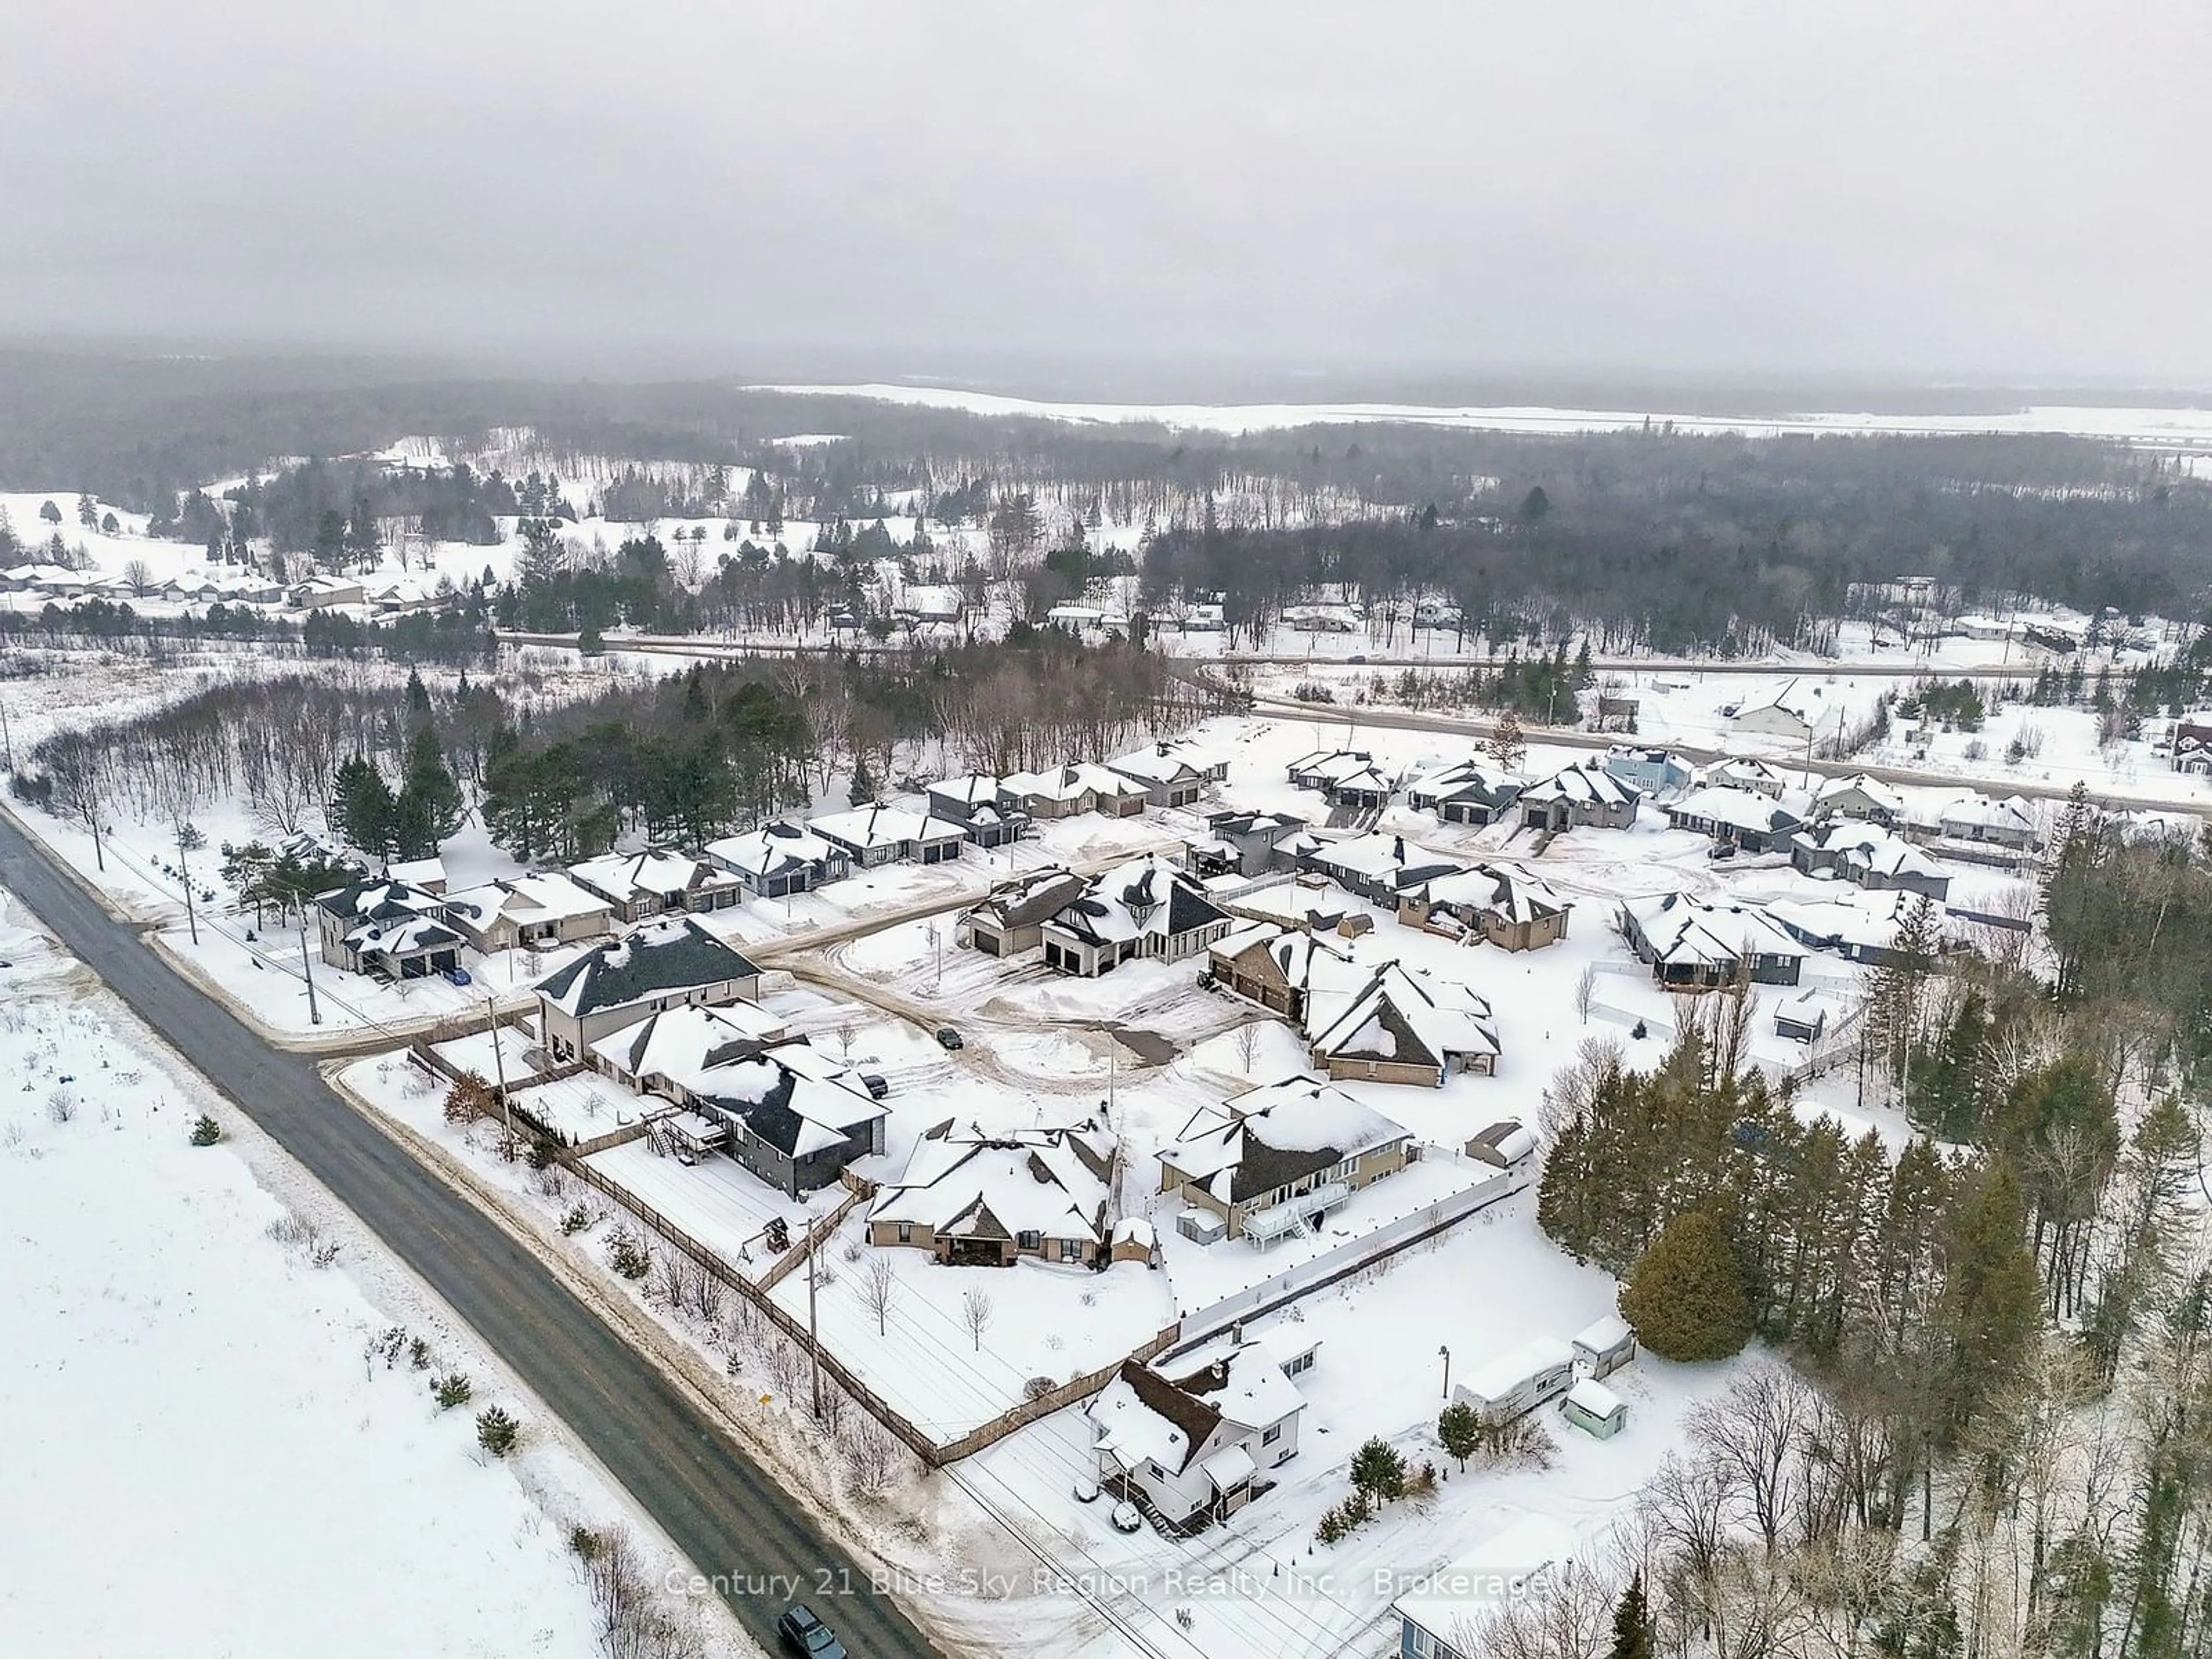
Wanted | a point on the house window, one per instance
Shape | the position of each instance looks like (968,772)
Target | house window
(1029,1241)
(1274,1434)
(1069,1250)
(906,1232)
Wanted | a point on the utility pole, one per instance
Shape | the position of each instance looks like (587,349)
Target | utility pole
(499,1065)
(308,966)
(7,742)
(183,871)
(813,1338)
(1446,1354)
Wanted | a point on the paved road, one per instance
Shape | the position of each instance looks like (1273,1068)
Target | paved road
(721,1508)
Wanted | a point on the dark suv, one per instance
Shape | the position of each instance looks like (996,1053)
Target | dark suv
(802,1633)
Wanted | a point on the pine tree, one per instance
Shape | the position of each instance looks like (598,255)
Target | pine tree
(362,806)
(1687,1297)
(1992,1302)
(1378,1472)
(1459,1431)
(1631,1624)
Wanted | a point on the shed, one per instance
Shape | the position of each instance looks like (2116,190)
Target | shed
(1595,1409)
(1604,1346)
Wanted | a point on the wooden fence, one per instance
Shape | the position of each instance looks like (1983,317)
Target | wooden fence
(1043,1405)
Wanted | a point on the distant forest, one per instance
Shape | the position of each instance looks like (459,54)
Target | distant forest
(1672,540)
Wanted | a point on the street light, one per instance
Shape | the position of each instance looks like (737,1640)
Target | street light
(1445,1354)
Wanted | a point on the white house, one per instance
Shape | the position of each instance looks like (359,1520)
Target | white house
(528,911)
(1515,1383)
(1146,907)
(1188,1441)
(874,836)
(641,885)
(1789,713)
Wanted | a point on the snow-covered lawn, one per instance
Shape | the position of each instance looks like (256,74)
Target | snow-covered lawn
(205,1455)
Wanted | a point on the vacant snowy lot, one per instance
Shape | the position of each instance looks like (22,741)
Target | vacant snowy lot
(208,1453)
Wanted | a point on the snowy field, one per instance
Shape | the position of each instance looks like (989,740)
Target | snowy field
(2185,428)
(206,1456)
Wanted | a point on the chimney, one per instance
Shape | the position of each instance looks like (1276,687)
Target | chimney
(1161,748)
(1398,849)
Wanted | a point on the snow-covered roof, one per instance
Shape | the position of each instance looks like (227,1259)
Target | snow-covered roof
(791,1095)
(1734,808)
(680,1043)
(1603,1333)
(969,789)
(1143,898)
(1588,784)
(1791,699)
(1301,957)
(624,876)
(1510,891)
(869,827)
(1161,763)
(667,954)
(417,872)
(1981,812)
(527,899)
(1268,1137)
(963,1181)
(1591,1395)
(1031,896)
(1464,779)
(1383,857)
(1069,782)
(772,850)
(1874,791)
(1873,848)
(1327,765)
(1681,931)
(1166,1415)
(1807,1007)
(1400,1015)
(1742,772)
(1859,918)
(1498,1377)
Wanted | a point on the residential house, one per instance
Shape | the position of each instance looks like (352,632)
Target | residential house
(2192,746)
(659,964)
(1868,855)
(973,1197)
(1615,713)
(779,860)
(1065,791)
(1401,1027)
(1320,770)
(1365,787)
(1146,907)
(1868,800)
(1172,777)
(1187,1442)
(1750,818)
(792,1114)
(1276,967)
(387,928)
(1506,904)
(662,1053)
(1647,771)
(2009,824)
(1245,843)
(971,801)
(637,886)
(1789,713)
(1745,772)
(1011,920)
(919,603)
(1276,1159)
(323,593)
(1466,793)
(529,911)
(1584,796)
(1438,1612)
(1690,946)
(875,835)
(1857,926)
(1517,1382)
(1382,869)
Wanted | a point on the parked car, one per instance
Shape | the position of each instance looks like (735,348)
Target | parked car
(1721,849)
(875,1084)
(457,976)
(802,1633)
(949,1038)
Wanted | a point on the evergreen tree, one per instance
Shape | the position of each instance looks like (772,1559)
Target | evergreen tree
(1378,1471)
(1459,1430)
(1631,1624)
(1992,1304)
(362,806)
(1687,1297)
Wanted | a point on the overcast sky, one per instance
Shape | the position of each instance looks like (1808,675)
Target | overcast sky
(1922,189)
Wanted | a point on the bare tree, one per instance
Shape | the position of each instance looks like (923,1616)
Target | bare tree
(1753,1432)
(1586,991)
(975,1313)
(140,577)
(880,1286)
(1248,1047)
